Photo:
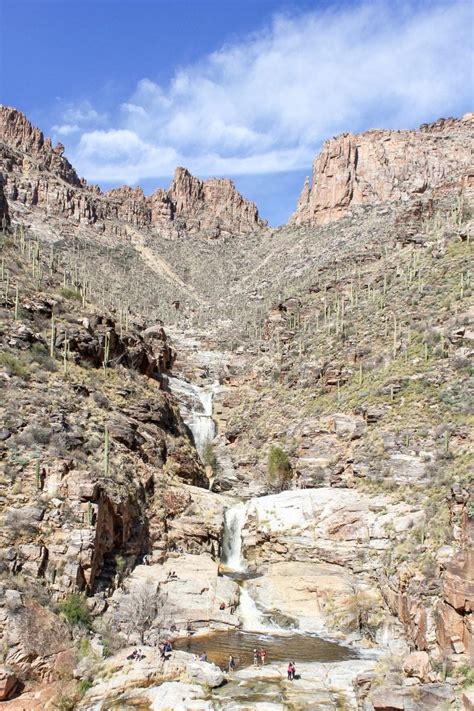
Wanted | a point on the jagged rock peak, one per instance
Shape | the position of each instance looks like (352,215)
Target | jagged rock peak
(32,167)
(384,165)
(20,134)
(215,204)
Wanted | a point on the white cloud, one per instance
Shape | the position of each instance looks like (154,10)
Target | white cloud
(266,103)
(83,113)
(65,129)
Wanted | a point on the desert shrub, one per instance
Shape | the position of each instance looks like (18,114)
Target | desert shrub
(278,468)
(84,685)
(71,294)
(13,365)
(64,702)
(466,673)
(75,610)
(40,354)
(101,400)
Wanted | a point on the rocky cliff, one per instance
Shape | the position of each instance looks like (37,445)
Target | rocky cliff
(379,166)
(39,176)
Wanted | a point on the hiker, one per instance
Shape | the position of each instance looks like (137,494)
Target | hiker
(291,671)
(231,664)
(255,658)
(222,606)
(263,655)
(203,657)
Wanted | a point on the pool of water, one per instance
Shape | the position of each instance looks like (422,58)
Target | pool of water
(280,648)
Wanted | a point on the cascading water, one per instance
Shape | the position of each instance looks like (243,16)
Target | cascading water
(252,619)
(234,519)
(196,410)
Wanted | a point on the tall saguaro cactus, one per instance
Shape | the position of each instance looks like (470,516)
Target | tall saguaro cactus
(106,451)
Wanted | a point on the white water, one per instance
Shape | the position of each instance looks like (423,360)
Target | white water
(253,619)
(196,410)
(234,519)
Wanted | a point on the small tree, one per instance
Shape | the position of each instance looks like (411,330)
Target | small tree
(75,610)
(138,610)
(279,471)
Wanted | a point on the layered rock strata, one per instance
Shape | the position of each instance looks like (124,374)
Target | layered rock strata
(378,166)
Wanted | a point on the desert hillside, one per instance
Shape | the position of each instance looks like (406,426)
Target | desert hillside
(211,428)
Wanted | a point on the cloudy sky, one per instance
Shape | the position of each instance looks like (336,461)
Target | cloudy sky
(247,89)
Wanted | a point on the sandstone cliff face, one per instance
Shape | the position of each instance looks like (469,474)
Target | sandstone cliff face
(379,166)
(38,176)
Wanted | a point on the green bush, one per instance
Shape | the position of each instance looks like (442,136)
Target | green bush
(13,365)
(71,294)
(278,468)
(75,610)
(84,685)
(466,673)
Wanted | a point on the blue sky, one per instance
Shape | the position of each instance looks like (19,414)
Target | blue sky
(247,89)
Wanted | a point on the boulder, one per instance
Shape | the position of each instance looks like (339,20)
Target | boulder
(388,699)
(8,682)
(417,664)
(468,699)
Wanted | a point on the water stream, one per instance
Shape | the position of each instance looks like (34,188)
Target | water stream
(256,626)
(196,410)
(234,519)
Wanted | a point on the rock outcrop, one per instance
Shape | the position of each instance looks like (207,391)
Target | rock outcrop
(379,166)
(37,175)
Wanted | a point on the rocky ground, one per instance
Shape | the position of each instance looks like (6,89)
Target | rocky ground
(344,338)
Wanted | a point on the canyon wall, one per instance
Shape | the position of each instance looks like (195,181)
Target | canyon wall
(379,166)
(38,175)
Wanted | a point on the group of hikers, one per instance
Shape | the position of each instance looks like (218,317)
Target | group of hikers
(259,657)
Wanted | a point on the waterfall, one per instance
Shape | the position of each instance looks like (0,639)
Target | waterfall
(253,619)
(249,614)
(234,519)
(196,410)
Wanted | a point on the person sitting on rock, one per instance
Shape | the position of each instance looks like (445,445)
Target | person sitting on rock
(222,606)
(203,657)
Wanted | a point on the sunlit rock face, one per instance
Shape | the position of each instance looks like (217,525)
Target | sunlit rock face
(378,166)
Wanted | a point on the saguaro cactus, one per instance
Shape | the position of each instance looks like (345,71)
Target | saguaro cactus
(106,451)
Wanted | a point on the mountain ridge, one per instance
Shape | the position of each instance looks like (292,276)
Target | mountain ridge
(213,207)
